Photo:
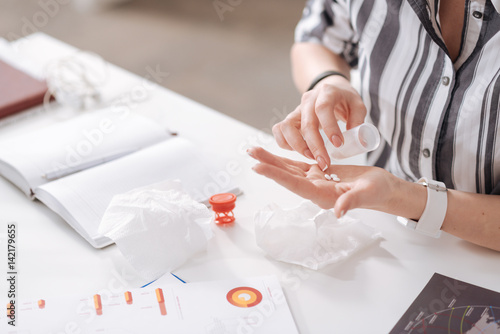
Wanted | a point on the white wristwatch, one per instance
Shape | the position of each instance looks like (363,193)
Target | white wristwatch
(435,209)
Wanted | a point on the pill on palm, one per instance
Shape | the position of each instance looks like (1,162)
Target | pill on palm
(328,177)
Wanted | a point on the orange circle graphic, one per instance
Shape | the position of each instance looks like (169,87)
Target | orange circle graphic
(244,297)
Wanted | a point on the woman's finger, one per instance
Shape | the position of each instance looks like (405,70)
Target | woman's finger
(266,157)
(294,138)
(314,140)
(328,100)
(347,201)
(357,113)
(292,121)
(279,137)
(290,131)
(297,184)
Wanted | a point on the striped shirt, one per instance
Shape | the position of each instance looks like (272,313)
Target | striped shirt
(438,119)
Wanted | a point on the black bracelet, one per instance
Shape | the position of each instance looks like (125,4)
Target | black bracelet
(324,75)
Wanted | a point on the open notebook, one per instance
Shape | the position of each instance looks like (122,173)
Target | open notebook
(76,167)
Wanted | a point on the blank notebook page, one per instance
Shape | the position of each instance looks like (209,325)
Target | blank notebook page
(69,143)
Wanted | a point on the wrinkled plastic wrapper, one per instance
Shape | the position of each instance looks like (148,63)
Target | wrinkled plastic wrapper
(157,228)
(309,236)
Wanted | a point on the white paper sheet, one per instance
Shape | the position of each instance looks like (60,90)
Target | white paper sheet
(252,305)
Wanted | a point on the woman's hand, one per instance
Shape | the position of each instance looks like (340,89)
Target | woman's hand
(331,100)
(472,217)
(359,186)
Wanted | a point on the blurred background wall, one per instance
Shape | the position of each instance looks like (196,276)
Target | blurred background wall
(231,55)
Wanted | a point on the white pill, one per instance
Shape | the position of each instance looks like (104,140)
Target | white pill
(327,177)
(333,176)
(336,179)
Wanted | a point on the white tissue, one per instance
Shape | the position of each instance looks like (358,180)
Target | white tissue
(157,228)
(309,236)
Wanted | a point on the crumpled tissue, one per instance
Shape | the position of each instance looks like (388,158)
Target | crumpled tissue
(157,228)
(309,236)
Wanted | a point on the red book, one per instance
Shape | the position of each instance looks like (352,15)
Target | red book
(18,90)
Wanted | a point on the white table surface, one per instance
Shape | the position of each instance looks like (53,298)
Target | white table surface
(368,293)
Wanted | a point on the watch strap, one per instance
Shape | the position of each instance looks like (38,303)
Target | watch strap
(432,218)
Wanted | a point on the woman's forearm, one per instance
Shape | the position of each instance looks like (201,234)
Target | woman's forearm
(311,59)
(474,217)
(469,216)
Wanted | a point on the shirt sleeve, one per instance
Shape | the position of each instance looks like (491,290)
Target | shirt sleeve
(327,22)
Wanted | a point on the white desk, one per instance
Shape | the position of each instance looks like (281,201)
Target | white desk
(366,294)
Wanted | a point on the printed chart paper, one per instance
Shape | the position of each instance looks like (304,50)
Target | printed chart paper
(253,305)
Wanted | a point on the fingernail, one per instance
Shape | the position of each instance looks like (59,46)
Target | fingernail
(249,153)
(342,213)
(322,163)
(336,141)
(308,154)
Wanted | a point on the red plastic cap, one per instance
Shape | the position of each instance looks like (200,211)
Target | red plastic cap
(223,204)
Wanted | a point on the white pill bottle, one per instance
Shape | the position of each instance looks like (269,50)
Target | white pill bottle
(361,139)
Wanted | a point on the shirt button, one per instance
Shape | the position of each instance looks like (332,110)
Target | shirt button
(446,81)
(426,153)
(477,14)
